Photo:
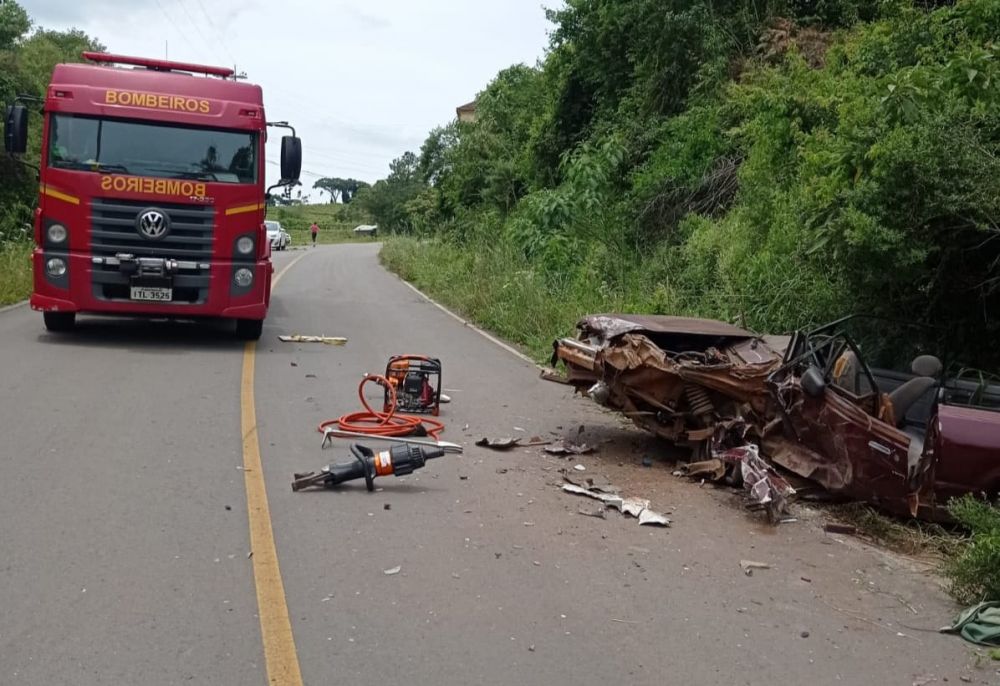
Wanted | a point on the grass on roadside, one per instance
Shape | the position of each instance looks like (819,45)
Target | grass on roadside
(908,537)
(495,288)
(336,223)
(15,272)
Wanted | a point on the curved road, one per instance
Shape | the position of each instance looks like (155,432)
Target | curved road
(125,541)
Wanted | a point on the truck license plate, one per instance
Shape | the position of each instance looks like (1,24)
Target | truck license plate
(151,293)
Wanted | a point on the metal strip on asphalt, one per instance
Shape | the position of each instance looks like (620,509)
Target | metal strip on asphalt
(280,655)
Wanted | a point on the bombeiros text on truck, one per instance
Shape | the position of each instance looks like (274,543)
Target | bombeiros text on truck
(152,192)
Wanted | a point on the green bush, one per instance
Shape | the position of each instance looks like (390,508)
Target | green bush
(975,573)
(780,164)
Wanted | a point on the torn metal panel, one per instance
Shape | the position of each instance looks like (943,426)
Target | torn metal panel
(808,400)
(608,326)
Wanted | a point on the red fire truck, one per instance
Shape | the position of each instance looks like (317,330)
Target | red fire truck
(152,192)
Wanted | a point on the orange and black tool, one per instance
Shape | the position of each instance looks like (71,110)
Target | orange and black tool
(399,460)
(417,382)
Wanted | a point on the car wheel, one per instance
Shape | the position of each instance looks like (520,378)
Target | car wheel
(249,329)
(59,321)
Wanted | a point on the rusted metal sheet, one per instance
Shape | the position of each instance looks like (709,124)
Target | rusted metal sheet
(683,379)
(609,326)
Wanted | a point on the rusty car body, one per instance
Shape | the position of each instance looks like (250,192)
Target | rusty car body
(905,443)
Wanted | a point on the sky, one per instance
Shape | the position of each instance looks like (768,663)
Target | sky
(362,82)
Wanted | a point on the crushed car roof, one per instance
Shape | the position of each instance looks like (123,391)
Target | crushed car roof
(612,325)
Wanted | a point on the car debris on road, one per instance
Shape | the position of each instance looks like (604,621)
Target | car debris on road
(327,340)
(635,507)
(807,402)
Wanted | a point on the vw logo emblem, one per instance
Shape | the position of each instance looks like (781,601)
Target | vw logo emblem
(152,224)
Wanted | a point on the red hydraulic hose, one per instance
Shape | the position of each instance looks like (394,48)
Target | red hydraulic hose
(374,423)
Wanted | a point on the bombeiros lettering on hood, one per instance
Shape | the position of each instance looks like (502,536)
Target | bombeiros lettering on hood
(148,186)
(157,101)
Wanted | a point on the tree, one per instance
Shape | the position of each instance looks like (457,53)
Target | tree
(342,190)
(26,63)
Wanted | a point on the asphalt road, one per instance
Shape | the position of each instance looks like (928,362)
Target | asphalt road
(124,536)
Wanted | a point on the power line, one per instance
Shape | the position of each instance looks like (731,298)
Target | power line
(197,27)
(222,40)
(174,24)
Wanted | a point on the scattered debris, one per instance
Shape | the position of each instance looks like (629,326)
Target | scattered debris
(568,447)
(848,529)
(502,470)
(635,507)
(749,565)
(392,572)
(714,469)
(498,443)
(592,483)
(681,379)
(579,468)
(326,340)
(599,513)
(647,461)
(387,506)
(804,634)
(649,518)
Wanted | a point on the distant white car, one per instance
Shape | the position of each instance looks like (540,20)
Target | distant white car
(277,236)
(366,230)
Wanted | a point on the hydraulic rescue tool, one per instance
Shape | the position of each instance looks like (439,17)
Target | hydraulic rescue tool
(367,464)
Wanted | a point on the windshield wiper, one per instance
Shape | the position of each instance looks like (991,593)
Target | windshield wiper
(91,166)
(109,168)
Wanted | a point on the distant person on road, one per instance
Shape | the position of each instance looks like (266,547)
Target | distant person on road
(314,229)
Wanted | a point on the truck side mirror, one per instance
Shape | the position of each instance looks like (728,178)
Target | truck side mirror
(291,158)
(15,139)
(813,383)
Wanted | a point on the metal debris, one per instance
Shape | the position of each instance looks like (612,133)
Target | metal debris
(393,571)
(636,507)
(568,447)
(749,565)
(326,340)
(498,443)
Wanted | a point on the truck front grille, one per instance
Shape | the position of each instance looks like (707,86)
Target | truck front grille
(113,232)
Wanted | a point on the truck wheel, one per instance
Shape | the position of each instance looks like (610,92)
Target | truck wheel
(249,329)
(59,321)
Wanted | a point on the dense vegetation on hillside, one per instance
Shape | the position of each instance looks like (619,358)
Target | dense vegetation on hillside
(777,163)
(27,56)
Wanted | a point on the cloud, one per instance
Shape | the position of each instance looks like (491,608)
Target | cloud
(362,83)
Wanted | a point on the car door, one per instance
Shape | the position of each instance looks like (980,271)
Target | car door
(834,430)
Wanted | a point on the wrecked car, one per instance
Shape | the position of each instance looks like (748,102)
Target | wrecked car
(904,442)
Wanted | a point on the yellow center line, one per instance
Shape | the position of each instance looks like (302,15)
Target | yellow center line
(280,656)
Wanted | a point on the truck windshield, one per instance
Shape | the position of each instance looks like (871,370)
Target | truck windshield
(152,149)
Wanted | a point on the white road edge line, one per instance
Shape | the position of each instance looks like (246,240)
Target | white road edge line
(488,336)
(15,306)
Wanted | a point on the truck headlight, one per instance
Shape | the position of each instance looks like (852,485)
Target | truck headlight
(244,245)
(243,277)
(56,233)
(55,266)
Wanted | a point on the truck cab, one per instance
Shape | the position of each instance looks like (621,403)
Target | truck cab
(152,193)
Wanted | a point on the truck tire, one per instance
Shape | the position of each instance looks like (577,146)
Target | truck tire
(59,321)
(249,329)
